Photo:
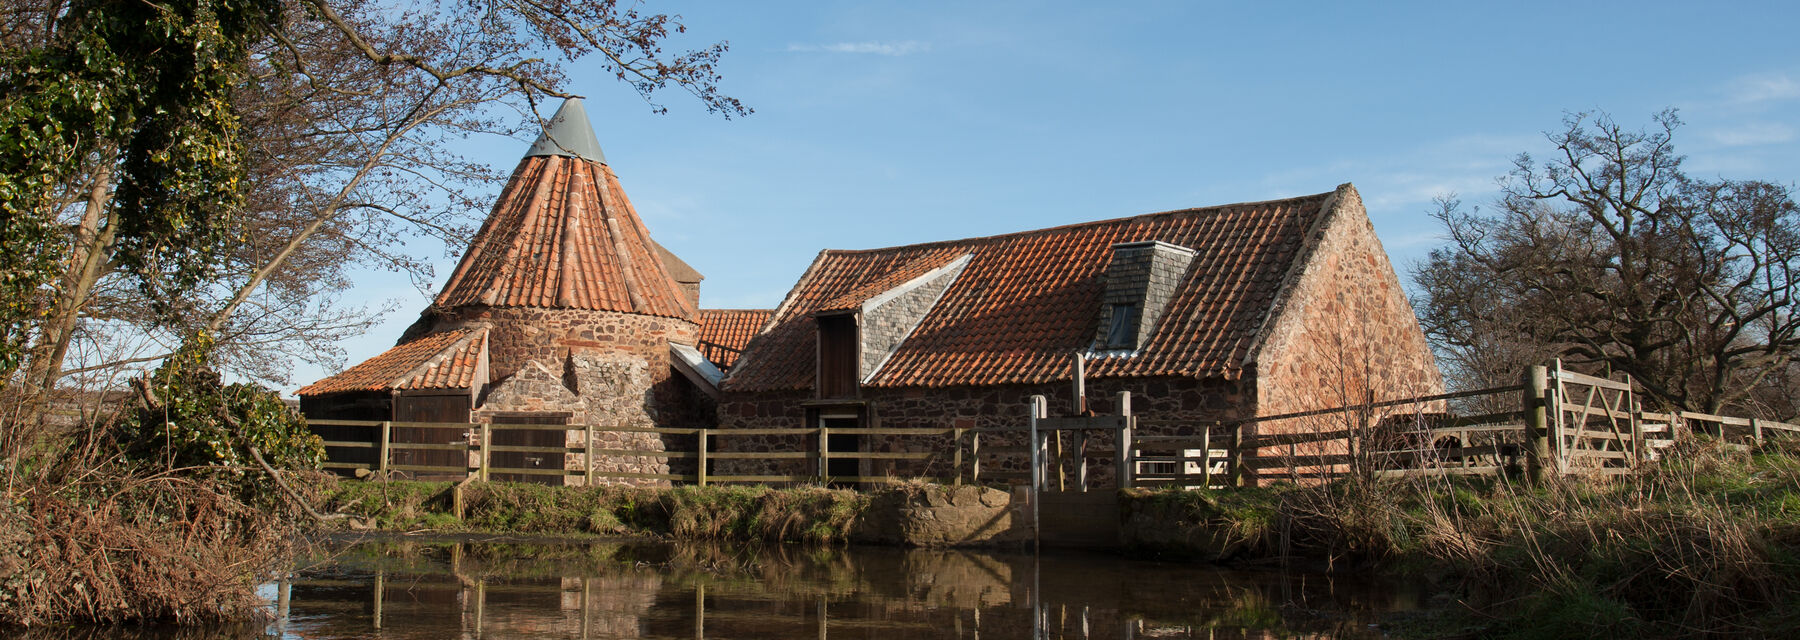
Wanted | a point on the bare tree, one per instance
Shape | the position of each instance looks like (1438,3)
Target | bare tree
(1609,256)
(347,107)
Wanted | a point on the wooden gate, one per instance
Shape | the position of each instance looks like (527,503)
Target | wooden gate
(1594,424)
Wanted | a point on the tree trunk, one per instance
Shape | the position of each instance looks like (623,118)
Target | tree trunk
(93,249)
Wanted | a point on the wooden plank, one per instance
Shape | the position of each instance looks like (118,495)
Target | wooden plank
(1782,426)
(346,465)
(345,423)
(1707,417)
(1606,455)
(673,431)
(1439,471)
(1457,431)
(1596,411)
(1259,441)
(1590,433)
(421,467)
(758,455)
(419,446)
(1659,417)
(878,455)
(519,448)
(887,479)
(716,433)
(351,444)
(1296,461)
(1584,379)
(1486,418)
(645,454)
(538,472)
(770,478)
(893,431)
(1066,424)
(532,427)
(436,425)
(626,475)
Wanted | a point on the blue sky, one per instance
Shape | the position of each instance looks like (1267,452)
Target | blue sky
(880,124)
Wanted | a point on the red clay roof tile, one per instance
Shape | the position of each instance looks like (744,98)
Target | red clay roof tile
(564,235)
(447,360)
(1026,300)
(725,332)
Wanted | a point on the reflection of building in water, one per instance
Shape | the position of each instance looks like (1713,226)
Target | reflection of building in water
(696,591)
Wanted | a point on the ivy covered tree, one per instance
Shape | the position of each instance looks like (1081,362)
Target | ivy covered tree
(173,168)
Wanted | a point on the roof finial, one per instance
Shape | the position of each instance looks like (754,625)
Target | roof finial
(569,135)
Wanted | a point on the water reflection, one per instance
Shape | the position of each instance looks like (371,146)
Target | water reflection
(484,590)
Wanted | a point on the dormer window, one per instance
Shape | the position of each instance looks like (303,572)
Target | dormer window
(1140,281)
(1123,328)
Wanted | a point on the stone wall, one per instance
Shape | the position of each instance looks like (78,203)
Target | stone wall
(1345,333)
(1165,406)
(607,368)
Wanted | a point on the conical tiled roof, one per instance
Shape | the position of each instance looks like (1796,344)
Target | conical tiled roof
(564,235)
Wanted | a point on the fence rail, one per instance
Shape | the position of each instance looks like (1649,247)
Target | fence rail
(1566,423)
(476,440)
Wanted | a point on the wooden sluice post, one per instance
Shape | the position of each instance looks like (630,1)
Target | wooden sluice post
(1124,454)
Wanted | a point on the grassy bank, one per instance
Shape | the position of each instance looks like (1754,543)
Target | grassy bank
(1707,543)
(811,514)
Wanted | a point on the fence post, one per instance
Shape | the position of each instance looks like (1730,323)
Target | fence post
(957,456)
(1081,473)
(702,456)
(1205,457)
(1537,422)
(387,436)
(1235,458)
(1035,450)
(824,453)
(487,442)
(1125,455)
(589,456)
(1756,430)
(975,457)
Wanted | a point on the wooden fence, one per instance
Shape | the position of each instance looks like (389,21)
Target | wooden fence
(475,441)
(1567,423)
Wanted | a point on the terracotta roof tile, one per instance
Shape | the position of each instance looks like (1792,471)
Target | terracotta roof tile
(564,235)
(1026,300)
(725,332)
(447,360)
(898,276)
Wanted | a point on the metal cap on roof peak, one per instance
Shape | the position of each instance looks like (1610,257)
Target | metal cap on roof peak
(568,135)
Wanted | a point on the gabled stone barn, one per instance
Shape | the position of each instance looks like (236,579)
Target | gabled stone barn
(1203,314)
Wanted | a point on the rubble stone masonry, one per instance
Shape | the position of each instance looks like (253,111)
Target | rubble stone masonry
(1165,406)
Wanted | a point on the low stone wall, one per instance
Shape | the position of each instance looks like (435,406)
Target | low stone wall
(941,516)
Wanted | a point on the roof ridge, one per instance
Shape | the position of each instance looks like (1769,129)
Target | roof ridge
(1079,225)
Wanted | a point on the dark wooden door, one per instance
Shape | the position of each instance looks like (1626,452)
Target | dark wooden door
(499,461)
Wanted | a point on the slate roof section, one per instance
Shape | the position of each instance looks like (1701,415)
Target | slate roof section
(724,333)
(564,235)
(447,360)
(1026,300)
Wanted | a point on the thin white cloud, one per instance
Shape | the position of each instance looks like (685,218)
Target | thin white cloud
(1751,134)
(1762,87)
(901,48)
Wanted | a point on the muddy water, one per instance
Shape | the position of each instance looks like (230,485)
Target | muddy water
(397,590)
